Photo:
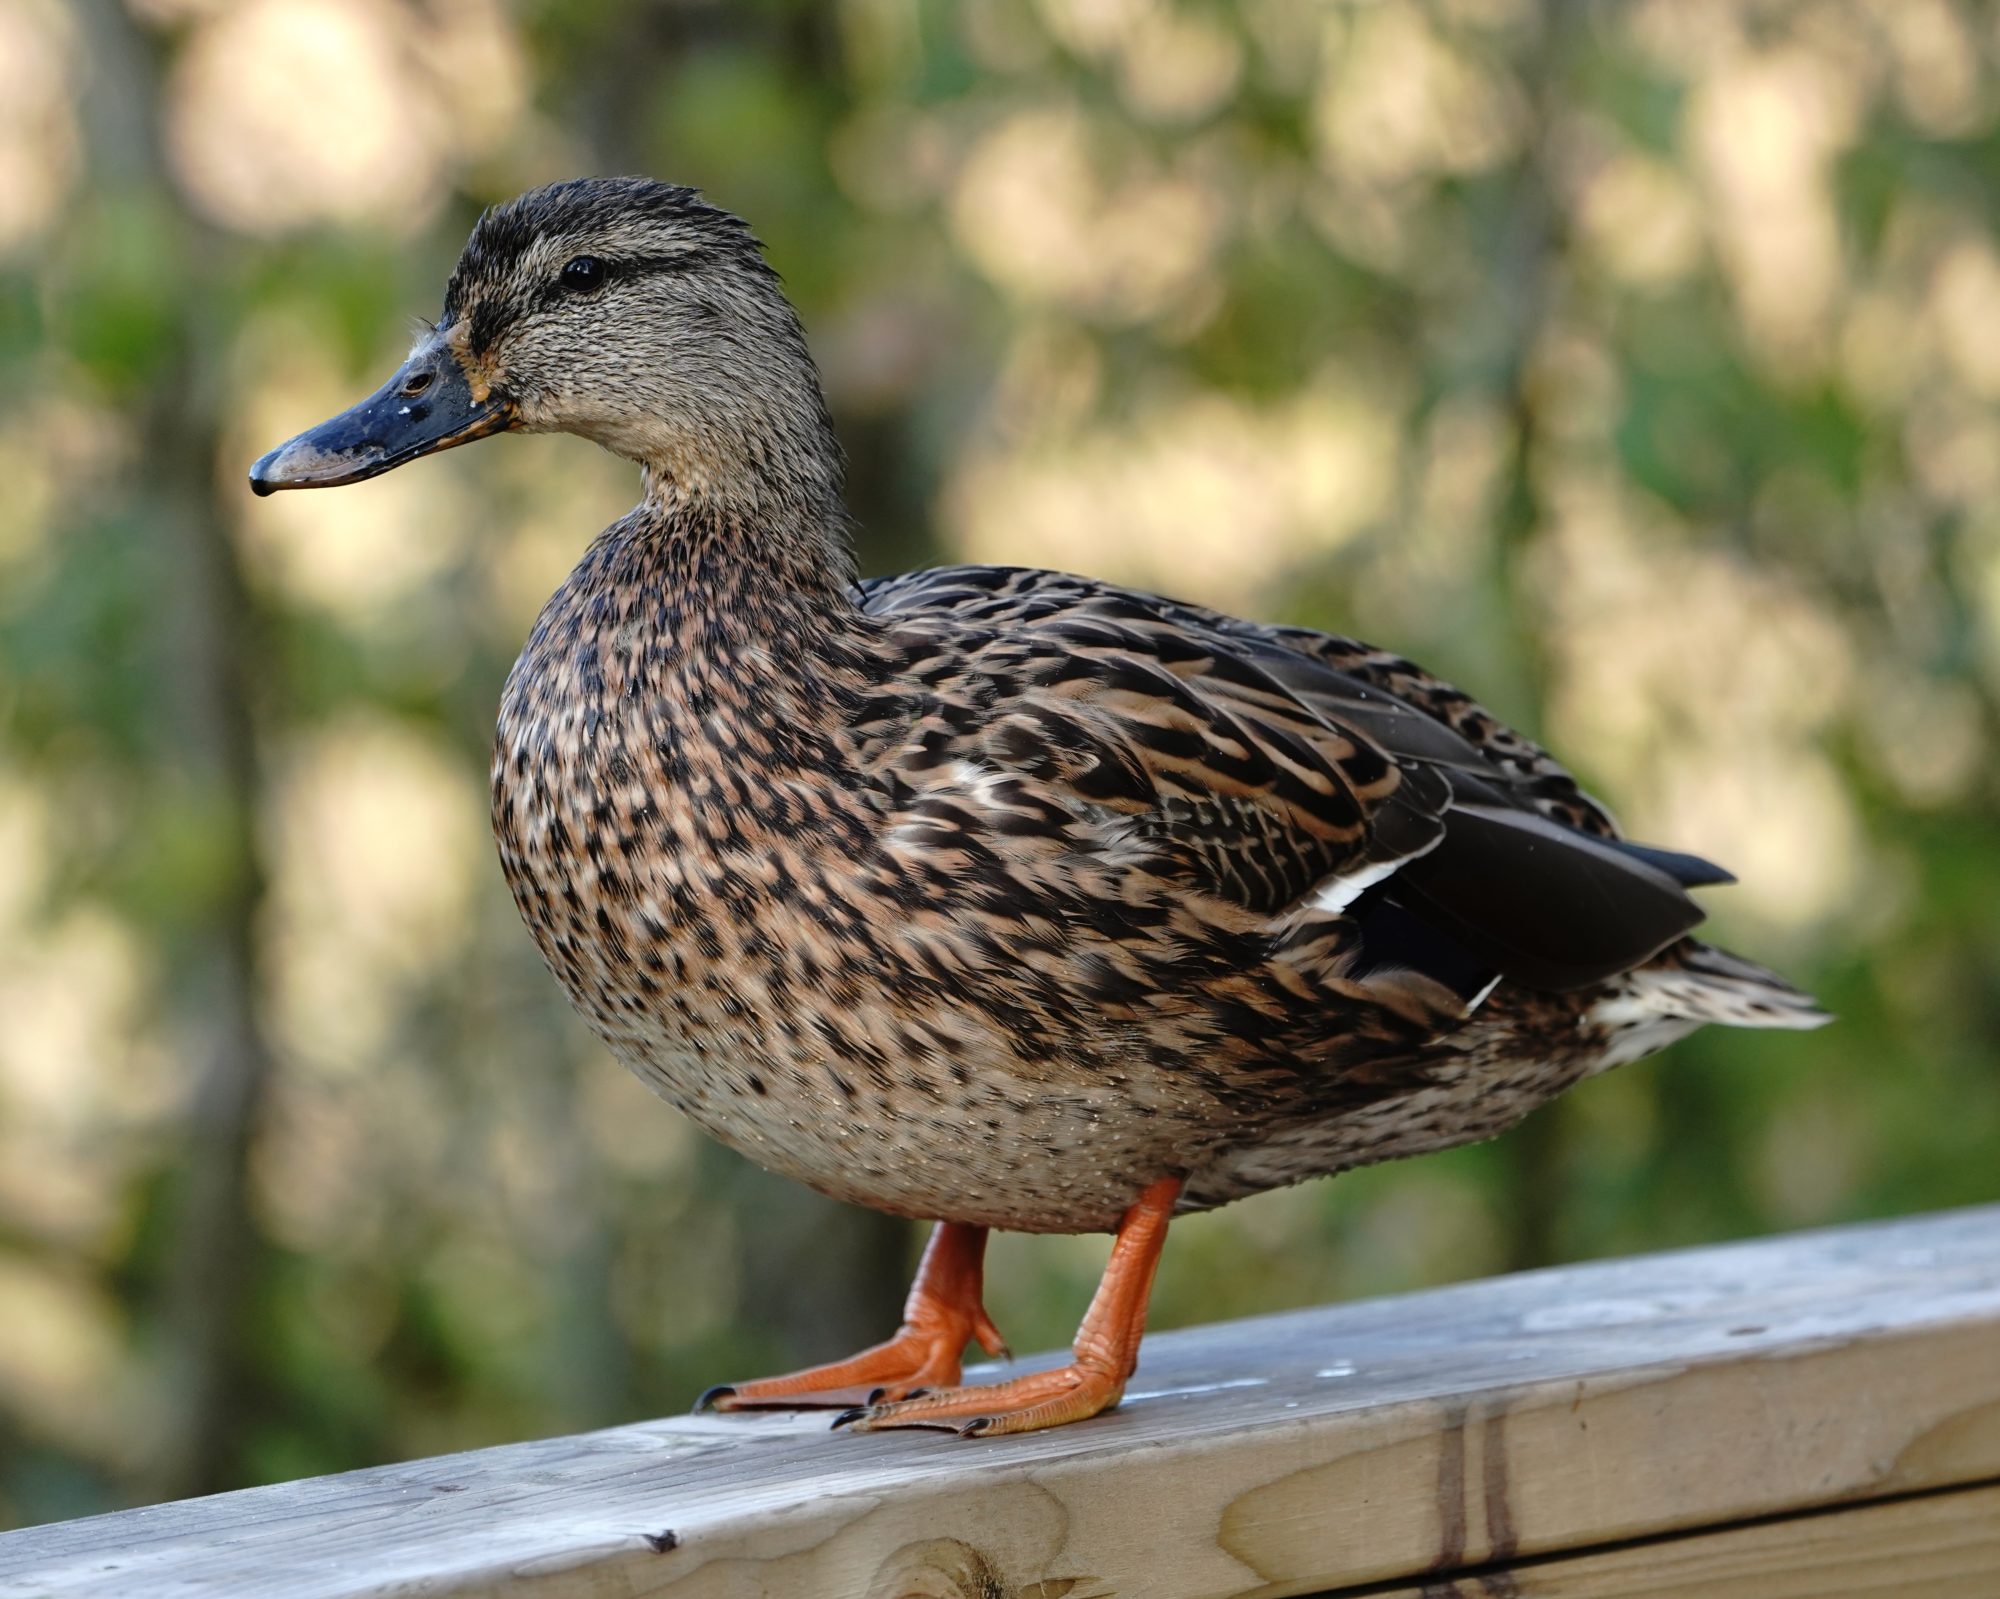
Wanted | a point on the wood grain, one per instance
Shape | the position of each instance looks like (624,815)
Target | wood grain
(1366,1443)
(1942,1546)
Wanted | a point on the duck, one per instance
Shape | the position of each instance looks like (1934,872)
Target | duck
(987,896)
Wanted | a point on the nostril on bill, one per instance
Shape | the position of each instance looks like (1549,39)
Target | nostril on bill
(417,382)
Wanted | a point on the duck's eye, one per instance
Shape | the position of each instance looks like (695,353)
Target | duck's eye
(582,274)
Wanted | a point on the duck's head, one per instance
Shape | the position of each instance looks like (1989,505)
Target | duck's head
(621,309)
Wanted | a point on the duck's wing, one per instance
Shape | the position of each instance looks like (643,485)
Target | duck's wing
(1285,770)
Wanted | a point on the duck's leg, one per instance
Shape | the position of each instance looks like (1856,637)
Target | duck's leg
(944,1310)
(1104,1355)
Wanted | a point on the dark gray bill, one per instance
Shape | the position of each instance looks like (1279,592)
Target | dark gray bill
(426,407)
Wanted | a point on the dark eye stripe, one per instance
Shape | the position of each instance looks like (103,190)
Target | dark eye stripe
(619,269)
(639,266)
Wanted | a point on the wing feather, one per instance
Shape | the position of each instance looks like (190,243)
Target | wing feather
(1298,773)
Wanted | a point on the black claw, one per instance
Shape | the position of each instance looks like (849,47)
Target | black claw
(712,1397)
(877,1395)
(847,1416)
(976,1426)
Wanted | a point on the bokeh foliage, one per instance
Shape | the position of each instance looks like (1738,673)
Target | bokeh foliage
(1634,365)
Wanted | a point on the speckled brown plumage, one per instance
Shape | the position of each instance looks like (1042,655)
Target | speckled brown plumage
(985,895)
(954,896)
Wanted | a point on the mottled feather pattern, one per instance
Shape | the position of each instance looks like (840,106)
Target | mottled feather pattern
(989,895)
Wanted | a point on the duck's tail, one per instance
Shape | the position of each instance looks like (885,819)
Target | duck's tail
(1691,984)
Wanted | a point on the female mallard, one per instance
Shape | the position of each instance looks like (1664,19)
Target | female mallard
(995,897)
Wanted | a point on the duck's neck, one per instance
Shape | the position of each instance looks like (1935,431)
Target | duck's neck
(685,611)
(762,538)
(773,571)
(745,443)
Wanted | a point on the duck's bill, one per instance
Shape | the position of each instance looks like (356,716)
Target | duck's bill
(426,407)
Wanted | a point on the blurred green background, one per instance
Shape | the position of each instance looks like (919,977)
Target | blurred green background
(1633,365)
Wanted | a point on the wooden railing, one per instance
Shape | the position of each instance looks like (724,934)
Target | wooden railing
(1816,1415)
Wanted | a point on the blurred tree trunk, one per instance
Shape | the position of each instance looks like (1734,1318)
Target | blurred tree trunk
(1526,286)
(206,616)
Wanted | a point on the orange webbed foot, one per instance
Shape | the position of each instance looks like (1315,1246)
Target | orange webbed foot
(1106,1350)
(1021,1404)
(944,1313)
